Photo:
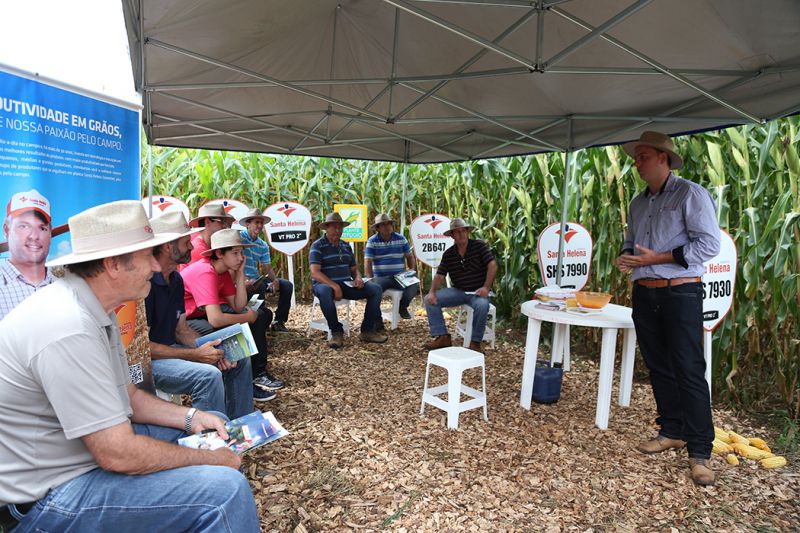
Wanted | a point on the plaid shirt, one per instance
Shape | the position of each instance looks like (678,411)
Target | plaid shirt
(14,287)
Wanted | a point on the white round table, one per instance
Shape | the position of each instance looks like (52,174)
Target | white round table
(612,318)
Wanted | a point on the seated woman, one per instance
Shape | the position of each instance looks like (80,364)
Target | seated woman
(215,296)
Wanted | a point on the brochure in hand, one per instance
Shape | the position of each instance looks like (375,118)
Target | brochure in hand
(244,433)
(237,341)
(254,303)
(407,278)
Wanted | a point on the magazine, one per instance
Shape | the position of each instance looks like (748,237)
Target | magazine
(244,433)
(254,303)
(407,278)
(237,341)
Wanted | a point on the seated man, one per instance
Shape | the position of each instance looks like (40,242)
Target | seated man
(386,254)
(211,218)
(215,297)
(27,231)
(257,255)
(214,383)
(81,448)
(335,276)
(472,268)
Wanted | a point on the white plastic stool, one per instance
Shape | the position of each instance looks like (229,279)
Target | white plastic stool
(322,324)
(464,329)
(455,359)
(392,316)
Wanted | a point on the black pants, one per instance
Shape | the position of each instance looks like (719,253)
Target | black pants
(669,328)
(285,290)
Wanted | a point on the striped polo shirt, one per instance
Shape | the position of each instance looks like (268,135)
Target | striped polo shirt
(259,253)
(335,260)
(388,257)
(467,273)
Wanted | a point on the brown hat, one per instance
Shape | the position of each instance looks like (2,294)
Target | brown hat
(457,223)
(109,230)
(656,140)
(381,219)
(333,218)
(251,214)
(226,238)
(209,211)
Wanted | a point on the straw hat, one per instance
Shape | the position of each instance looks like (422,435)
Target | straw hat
(381,219)
(173,222)
(656,140)
(457,223)
(31,200)
(108,230)
(251,214)
(226,238)
(333,218)
(209,211)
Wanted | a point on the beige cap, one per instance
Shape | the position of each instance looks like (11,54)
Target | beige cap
(457,223)
(226,238)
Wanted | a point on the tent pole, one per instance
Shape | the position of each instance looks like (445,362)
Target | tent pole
(405,184)
(562,230)
(150,180)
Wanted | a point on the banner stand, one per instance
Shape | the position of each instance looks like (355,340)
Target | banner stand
(290,268)
(707,336)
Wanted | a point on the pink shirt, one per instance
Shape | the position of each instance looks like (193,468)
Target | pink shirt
(198,247)
(203,286)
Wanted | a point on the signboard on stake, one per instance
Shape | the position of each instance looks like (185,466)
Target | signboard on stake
(428,238)
(289,227)
(161,205)
(356,215)
(234,208)
(577,261)
(719,282)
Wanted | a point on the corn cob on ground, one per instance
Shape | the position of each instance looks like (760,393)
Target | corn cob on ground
(773,462)
(732,459)
(750,452)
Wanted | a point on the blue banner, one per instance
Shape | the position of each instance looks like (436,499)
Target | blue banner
(76,151)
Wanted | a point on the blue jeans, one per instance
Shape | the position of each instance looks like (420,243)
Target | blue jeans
(211,389)
(285,290)
(388,282)
(452,297)
(370,292)
(192,498)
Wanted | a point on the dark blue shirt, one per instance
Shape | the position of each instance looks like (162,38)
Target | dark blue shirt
(164,306)
(334,261)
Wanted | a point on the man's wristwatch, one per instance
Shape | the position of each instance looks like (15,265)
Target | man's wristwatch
(187,421)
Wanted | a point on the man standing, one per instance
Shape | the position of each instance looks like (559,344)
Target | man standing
(215,297)
(211,218)
(672,230)
(27,231)
(387,254)
(335,276)
(256,255)
(472,269)
(81,448)
(214,383)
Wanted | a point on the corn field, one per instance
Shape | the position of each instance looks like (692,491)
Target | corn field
(751,171)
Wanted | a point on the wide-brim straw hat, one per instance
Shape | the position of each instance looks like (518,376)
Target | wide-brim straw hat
(659,141)
(226,238)
(381,219)
(109,230)
(210,211)
(457,223)
(333,218)
(251,214)
(173,222)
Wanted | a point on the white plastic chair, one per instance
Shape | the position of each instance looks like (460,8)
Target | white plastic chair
(464,327)
(322,324)
(455,360)
(393,315)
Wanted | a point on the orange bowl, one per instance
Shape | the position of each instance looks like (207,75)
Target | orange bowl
(592,300)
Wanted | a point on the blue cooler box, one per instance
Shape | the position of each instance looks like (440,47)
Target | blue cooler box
(547,384)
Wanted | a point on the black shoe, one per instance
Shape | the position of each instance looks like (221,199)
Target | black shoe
(268,382)
(404,314)
(260,395)
(279,327)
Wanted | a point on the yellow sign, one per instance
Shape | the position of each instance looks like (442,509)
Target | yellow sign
(356,215)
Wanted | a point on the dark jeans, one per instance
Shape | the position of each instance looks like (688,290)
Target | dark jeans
(258,362)
(285,290)
(370,292)
(388,282)
(669,326)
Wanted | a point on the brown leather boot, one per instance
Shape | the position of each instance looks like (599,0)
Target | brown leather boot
(660,444)
(475,346)
(337,340)
(701,471)
(442,341)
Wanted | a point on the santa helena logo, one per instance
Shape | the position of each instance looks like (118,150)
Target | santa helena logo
(433,222)
(569,234)
(162,203)
(287,210)
(227,206)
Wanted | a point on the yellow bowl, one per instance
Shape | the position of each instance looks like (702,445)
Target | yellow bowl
(592,300)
